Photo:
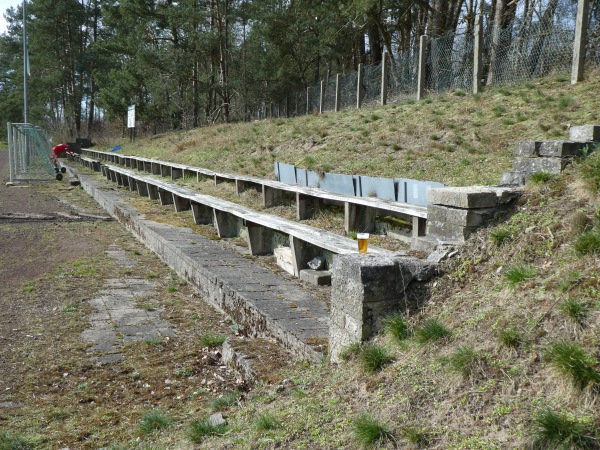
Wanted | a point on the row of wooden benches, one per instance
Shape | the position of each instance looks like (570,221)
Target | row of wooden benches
(359,212)
(229,219)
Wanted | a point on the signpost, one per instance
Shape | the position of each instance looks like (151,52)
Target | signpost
(131,122)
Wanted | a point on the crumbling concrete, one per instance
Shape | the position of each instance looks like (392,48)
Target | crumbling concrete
(364,290)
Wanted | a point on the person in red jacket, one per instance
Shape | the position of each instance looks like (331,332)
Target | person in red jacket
(57,150)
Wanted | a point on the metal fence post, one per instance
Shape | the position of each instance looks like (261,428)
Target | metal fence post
(477,55)
(10,149)
(359,86)
(581,28)
(322,97)
(384,77)
(422,66)
(337,92)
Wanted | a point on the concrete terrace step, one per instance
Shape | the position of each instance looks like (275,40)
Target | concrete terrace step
(265,304)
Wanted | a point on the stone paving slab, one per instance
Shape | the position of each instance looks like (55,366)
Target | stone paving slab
(265,304)
(117,321)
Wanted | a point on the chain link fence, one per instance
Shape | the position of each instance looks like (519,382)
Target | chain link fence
(528,48)
(403,76)
(450,62)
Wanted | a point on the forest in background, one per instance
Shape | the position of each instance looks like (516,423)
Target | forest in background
(189,63)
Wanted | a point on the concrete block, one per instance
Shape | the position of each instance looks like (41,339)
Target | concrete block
(527,148)
(506,195)
(459,216)
(284,259)
(463,197)
(532,165)
(561,149)
(513,178)
(316,277)
(449,231)
(585,133)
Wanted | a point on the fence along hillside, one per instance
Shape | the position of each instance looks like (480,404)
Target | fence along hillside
(527,49)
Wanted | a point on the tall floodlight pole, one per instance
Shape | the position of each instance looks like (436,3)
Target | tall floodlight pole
(25,67)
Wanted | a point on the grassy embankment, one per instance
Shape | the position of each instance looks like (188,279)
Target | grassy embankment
(505,354)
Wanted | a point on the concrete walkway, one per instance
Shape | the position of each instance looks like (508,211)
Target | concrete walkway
(265,304)
(117,320)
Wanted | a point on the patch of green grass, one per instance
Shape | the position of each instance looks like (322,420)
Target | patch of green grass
(369,431)
(154,421)
(571,361)
(510,337)
(464,361)
(153,341)
(500,236)
(589,171)
(397,327)
(212,340)
(229,398)
(417,436)
(373,357)
(13,442)
(68,309)
(542,177)
(431,330)
(184,372)
(552,430)
(29,286)
(201,429)
(267,421)
(350,351)
(588,242)
(575,309)
(566,101)
(499,110)
(520,273)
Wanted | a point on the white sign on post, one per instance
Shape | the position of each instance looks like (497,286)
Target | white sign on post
(131,116)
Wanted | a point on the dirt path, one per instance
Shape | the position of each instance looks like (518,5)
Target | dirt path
(53,393)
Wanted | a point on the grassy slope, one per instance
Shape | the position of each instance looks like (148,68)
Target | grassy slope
(419,394)
(447,138)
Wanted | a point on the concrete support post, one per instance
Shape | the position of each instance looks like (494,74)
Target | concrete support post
(181,203)
(358,218)
(203,215)
(132,183)
(271,196)
(385,62)
(155,168)
(165,171)
(322,97)
(147,166)
(302,253)
(226,224)
(359,86)
(142,189)
(419,225)
(165,197)
(113,176)
(176,173)
(241,186)
(366,288)
(140,165)
(153,192)
(581,31)
(260,239)
(128,162)
(337,92)
(306,206)
(477,55)
(423,42)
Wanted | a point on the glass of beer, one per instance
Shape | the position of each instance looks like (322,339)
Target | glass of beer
(363,242)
